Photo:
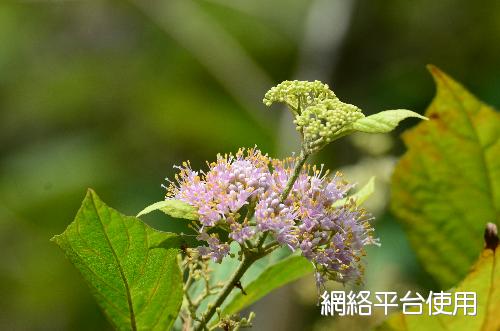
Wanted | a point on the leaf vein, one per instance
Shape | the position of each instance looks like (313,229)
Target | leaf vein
(120,268)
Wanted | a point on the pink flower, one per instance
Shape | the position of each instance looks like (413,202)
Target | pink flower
(332,238)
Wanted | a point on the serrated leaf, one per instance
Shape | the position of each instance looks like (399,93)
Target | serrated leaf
(385,121)
(174,208)
(360,196)
(130,268)
(484,280)
(447,185)
(273,277)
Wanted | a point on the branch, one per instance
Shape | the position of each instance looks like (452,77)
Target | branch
(248,260)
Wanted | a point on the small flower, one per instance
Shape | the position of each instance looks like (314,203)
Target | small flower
(240,232)
(272,215)
(215,250)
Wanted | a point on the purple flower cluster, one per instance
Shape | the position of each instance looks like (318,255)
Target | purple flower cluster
(331,237)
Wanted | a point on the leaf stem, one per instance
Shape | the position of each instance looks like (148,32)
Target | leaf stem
(270,246)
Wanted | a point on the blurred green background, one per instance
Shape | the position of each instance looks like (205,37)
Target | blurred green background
(111,94)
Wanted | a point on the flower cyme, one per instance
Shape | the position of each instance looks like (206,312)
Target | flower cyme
(308,219)
(332,238)
(225,187)
(218,194)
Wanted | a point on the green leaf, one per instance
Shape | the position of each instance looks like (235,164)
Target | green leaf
(174,208)
(275,276)
(447,185)
(130,268)
(360,196)
(385,121)
(484,280)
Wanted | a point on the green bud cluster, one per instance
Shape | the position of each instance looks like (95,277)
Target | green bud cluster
(326,121)
(319,115)
(298,94)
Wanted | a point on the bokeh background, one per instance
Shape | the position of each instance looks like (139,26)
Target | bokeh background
(111,94)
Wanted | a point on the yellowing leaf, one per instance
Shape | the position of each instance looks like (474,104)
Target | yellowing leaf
(484,280)
(447,185)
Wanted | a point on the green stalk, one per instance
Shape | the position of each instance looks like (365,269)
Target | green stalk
(248,260)
(301,160)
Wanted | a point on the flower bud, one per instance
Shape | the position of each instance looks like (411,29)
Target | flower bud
(320,116)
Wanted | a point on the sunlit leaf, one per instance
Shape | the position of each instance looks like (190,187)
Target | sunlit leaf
(130,268)
(174,208)
(447,185)
(384,122)
(360,196)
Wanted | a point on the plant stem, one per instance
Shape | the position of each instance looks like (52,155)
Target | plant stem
(296,172)
(248,260)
